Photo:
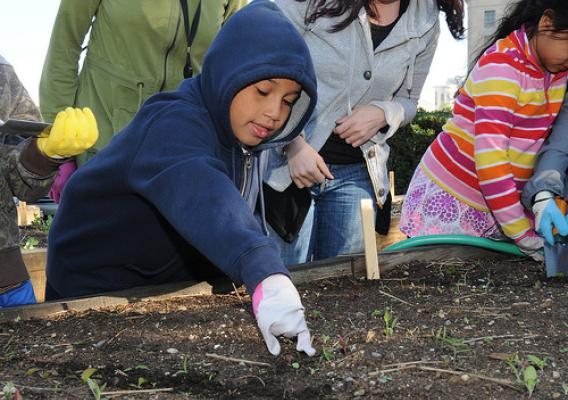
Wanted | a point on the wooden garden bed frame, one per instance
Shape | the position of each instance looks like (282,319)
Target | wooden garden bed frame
(352,265)
(35,259)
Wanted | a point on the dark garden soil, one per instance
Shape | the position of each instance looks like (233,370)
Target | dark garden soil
(463,330)
(31,237)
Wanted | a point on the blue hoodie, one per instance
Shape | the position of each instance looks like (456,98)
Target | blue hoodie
(175,191)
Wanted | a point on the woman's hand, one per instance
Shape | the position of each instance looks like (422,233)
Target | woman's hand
(363,123)
(306,166)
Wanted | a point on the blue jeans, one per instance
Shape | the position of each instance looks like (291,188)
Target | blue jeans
(333,224)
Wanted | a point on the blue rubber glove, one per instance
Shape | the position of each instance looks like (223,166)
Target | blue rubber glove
(547,216)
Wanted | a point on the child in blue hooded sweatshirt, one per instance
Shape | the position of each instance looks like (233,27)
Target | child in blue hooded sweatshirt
(177,189)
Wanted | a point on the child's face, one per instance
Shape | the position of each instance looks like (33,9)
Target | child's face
(551,47)
(261,109)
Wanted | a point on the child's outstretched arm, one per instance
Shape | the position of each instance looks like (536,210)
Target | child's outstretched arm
(191,188)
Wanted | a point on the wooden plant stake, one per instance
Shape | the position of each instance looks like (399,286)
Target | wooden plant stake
(368,222)
(22,215)
(391,180)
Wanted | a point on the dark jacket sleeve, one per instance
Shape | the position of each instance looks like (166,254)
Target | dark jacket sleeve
(28,173)
(182,177)
(552,163)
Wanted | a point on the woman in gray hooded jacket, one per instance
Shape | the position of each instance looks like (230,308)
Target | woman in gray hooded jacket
(371,59)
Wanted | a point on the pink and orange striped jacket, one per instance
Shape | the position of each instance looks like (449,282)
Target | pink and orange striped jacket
(501,117)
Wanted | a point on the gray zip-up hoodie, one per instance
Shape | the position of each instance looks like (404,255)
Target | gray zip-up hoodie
(350,73)
(551,168)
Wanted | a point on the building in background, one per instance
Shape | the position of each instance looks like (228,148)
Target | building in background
(443,97)
(483,19)
(444,94)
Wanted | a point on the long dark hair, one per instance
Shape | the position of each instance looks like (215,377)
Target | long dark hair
(527,13)
(336,8)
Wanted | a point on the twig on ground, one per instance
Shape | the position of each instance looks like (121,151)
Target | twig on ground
(347,358)
(238,360)
(502,382)
(477,339)
(254,376)
(385,371)
(401,366)
(5,349)
(484,309)
(127,392)
(394,297)
(34,333)
(106,343)
(352,324)
(415,366)
(525,337)
(237,292)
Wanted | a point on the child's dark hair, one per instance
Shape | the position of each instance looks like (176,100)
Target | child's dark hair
(528,13)
(454,10)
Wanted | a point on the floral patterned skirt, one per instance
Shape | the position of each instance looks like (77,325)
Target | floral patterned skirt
(430,210)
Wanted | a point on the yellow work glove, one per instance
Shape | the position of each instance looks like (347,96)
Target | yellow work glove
(73,132)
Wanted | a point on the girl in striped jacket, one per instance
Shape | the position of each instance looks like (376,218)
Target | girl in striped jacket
(470,179)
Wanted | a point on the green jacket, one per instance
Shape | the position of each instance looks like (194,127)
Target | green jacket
(135,49)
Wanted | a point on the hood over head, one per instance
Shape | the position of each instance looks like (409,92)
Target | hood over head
(257,43)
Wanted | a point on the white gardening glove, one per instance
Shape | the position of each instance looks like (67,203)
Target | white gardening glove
(548,216)
(279,312)
(532,246)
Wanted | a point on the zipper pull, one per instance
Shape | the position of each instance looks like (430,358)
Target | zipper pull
(246,172)
(248,158)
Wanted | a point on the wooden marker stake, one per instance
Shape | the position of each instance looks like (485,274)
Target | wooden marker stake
(368,222)
(22,214)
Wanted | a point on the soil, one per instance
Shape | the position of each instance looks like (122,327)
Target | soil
(469,326)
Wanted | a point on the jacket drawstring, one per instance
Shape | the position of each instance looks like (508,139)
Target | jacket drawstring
(140,86)
(351,69)
(261,196)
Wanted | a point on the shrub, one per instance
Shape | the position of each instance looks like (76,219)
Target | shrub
(409,144)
